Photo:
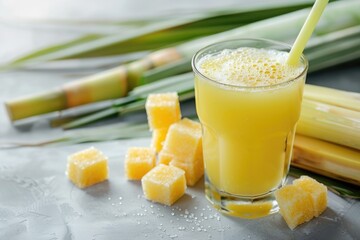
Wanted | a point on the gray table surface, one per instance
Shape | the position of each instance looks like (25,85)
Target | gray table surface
(38,202)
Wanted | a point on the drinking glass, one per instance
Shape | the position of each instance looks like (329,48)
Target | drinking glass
(248,134)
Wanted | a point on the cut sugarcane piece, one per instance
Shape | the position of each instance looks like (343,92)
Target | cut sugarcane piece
(87,167)
(139,161)
(163,109)
(183,141)
(193,171)
(300,202)
(317,191)
(164,184)
(296,206)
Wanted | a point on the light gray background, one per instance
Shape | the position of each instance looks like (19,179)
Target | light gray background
(38,202)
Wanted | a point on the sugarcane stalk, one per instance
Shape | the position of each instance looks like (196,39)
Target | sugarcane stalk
(330,123)
(136,99)
(327,159)
(168,70)
(340,188)
(339,98)
(111,84)
(41,103)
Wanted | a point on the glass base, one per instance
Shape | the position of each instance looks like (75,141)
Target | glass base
(239,206)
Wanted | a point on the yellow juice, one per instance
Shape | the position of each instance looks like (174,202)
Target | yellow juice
(248,109)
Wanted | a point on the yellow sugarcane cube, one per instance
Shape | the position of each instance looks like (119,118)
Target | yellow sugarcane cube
(317,191)
(193,171)
(139,161)
(296,205)
(164,184)
(87,167)
(163,109)
(183,141)
(158,138)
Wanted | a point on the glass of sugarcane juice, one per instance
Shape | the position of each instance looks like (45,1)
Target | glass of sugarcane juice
(248,101)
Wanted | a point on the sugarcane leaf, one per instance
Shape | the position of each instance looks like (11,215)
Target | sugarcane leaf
(316,49)
(167,70)
(159,32)
(91,118)
(58,47)
(285,27)
(333,54)
(11,145)
(317,52)
(79,66)
(171,83)
(123,130)
(338,187)
(344,57)
(91,47)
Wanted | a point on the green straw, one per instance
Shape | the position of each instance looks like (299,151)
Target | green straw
(306,31)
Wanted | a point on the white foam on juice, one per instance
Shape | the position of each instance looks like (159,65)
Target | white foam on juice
(250,67)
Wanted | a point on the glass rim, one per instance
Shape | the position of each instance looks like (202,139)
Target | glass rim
(199,52)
